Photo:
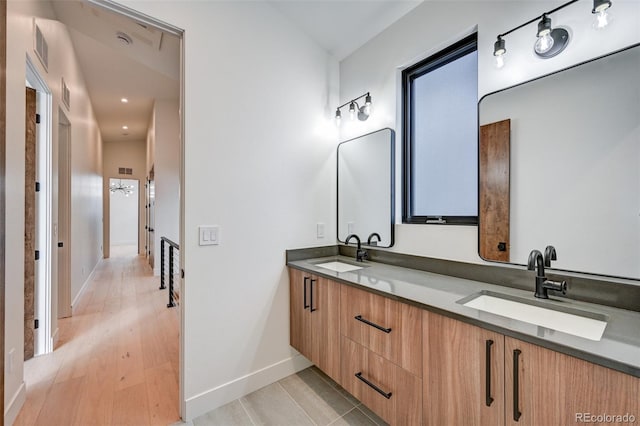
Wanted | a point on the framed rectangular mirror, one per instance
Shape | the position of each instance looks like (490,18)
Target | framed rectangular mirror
(559,164)
(366,188)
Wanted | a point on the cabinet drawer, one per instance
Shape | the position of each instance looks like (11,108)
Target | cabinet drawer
(387,327)
(391,392)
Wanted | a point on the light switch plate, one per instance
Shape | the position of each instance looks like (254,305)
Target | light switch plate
(209,235)
(320,230)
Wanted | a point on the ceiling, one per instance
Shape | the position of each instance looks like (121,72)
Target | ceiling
(342,26)
(148,67)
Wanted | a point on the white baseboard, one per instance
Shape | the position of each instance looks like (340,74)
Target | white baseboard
(84,286)
(223,394)
(14,406)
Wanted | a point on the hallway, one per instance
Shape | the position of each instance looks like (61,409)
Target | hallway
(116,361)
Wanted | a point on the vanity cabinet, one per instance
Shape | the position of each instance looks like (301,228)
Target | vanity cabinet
(544,387)
(314,320)
(474,376)
(463,373)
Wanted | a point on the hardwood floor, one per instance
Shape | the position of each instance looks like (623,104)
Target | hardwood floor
(116,362)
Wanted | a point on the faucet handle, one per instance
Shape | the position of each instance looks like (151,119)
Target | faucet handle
(556,286)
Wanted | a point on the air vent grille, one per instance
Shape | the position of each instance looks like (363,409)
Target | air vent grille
(41,48)
(125,171)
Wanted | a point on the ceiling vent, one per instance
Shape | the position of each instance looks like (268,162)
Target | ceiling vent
(66,95)
(124,38)
(41,47)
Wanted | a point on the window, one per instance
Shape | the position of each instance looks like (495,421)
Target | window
(440,132)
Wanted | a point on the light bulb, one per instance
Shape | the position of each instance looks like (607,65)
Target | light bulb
(601,19)
(544,43)
(352,111)
(499,61)
(338,117)
(367,105)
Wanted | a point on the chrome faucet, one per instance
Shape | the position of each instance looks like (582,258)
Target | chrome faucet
(360,253)
(537,262)
(373,235)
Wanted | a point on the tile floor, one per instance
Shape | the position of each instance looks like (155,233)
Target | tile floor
(307,398)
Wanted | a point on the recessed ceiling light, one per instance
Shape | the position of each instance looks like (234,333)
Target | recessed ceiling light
(124,100)
(125,127)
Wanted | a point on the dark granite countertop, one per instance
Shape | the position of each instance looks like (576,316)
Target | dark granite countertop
(618,349)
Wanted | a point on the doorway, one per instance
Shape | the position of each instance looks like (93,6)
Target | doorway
(124,196)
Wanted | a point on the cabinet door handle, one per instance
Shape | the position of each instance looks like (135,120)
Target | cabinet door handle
(516,385)
(305,292)
(311,298)
(487,386)
(372,386)
(379,327)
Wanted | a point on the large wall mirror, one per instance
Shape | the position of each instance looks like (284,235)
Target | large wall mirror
(560,165)
(366,188)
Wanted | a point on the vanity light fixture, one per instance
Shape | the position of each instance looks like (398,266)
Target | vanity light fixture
(362,112)
(551,41)
(498,51)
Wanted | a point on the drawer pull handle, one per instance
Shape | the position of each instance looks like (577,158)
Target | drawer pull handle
(516,385)
(306,305)
(372,386)
(311,308)
(487,386)
(379,327)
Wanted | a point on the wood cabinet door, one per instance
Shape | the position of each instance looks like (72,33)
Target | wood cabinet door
(544,387)
(324,311)
(457,358)
(299,320)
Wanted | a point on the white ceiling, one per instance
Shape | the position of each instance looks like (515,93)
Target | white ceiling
(342,26)
(148,68)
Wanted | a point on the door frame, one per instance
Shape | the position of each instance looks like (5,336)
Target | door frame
(3,144)
(44,219)
(138,196)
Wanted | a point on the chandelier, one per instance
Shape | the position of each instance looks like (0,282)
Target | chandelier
(119,187)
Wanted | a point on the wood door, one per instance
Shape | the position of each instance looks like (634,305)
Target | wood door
(29,223)
(64,216)
(3,144)
(324,312)
(455,386)
(557,389)
(299,319)
(494,155)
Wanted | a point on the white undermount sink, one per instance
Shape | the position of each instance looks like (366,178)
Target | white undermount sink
(583,324)
(339,266)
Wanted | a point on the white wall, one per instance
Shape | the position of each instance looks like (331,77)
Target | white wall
(433,25)
(86,174)
(128,154)
(164,138)
(259,161)
(123,214)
